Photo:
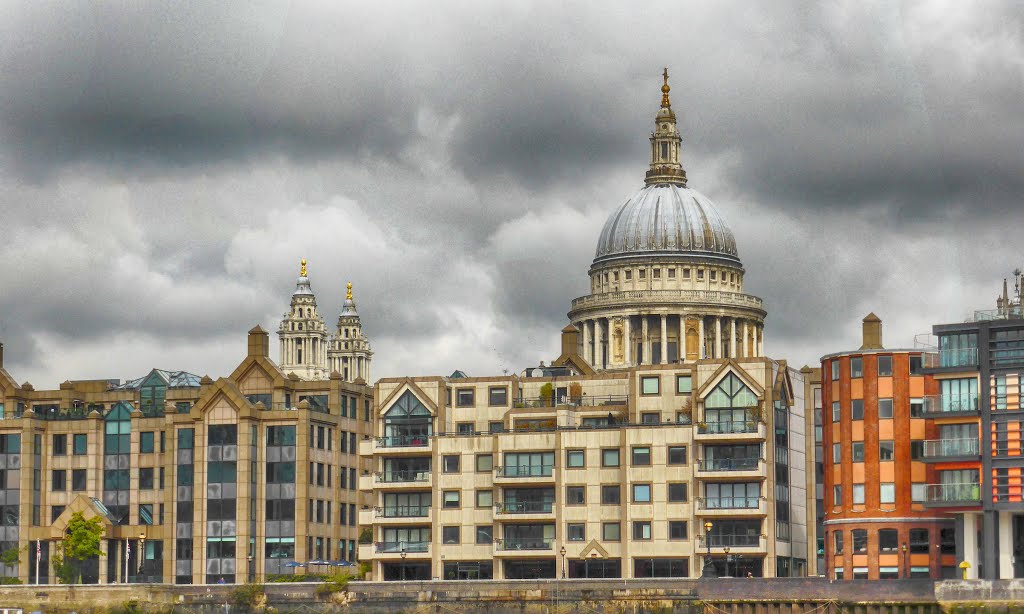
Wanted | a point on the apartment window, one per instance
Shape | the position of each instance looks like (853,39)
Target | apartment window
(857,409)
(860,541)
(641,493)
(145,478)
(465,428)
(916,450)
(884,366)
(55,512)
(574,459)
(576,531)
(59,480)
(484,463)
(495,427)
(575,495)
(677,529)
(837,540)
(858,494)
(641,456)
(916,365)
(650,384)
(856,367)
(835,370)
(78,481)
(836,415)
(497,396)
(857,449)
(918,493)
(837,495)
(464,397)
(451,463)
(677,492)
(884,409)
(887,492)
(677,455)
(611,531)
(610,457)
(146,442)
(450,535)
(916,408)
(837,453)
(484,498)
(484,534)
(650,418)
(60,445)
(684,384)
(610,495)
(920,541)
(80,444)
(888,540)
(451,499)
(886,449)
(641,530)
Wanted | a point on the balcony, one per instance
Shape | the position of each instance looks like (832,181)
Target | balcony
(524,508)
(403,511)
(417,477)
(951,449)
(951,406)
(543,473)
(580,401)
(966,358)
(407,444)
(401,547)
(953,495)
(735,542)
(734,430)
(732,506)
(724,468)
(521,544)
(666,297)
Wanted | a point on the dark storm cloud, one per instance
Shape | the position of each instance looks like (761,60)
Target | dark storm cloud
(164,167)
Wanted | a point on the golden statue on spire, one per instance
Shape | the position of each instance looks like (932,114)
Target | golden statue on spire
(348,293)
(302,273)
(664,90)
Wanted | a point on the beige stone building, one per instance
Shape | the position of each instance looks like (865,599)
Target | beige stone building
(660,443)
(195,480)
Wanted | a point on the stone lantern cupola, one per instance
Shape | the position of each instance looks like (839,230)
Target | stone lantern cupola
(303,334)
(350,353)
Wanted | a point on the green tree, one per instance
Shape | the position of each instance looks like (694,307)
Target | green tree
(81,542)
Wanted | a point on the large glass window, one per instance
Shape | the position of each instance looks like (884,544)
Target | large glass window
(732,495)
(731,392)
(529,464)
(407,423)
(958,350)
(959,395)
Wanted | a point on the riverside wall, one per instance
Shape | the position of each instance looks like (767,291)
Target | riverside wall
(721,596)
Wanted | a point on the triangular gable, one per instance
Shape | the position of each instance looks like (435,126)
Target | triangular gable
(90,508)
(576,361)
(410,386)
(265,365)
(7,383)
(594,547)
(783,383)
(730,366)
(122,410)
(222,389)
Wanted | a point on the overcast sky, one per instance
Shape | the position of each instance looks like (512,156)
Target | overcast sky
(164,167)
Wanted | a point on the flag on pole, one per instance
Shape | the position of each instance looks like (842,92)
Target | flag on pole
(39,551)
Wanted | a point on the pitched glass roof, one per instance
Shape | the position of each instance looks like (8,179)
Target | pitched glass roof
(173,379)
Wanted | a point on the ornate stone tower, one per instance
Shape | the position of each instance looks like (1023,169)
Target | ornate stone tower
(303,334)
(350,353)
(666,284)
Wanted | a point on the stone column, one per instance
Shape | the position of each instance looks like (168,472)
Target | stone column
(718,337)
(664,338)
(732,337)
(645,340)
(760,339)
(587,354)
(746,346)
(628,333)
(598,354)
(700,337)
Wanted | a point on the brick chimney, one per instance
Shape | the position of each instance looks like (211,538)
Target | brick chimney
(570,341)
(259,342)
(872,333)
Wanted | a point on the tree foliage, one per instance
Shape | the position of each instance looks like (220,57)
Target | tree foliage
(81,542)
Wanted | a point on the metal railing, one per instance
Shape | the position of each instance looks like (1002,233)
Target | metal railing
(403,511)
(940,448)
(64,413)
(947,404)
(727,427)
(525,544)
(716,297)
(962,357)
(731,541)
(730,503)
(526,471)
(580,401)
(954,493)
(524,507)
(396,547)
(1013,312)
(405,475)
(729,464)
(403,441)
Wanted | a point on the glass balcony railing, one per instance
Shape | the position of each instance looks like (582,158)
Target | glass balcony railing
(405,475)
(954,494)
(517,543)
(730,503)
(404,511)
(951,404)
(727,427)
(730,541)
(960,357)
(523,471)
(524,507)
(729,464)
(396,547)
(403,441)
(944,448)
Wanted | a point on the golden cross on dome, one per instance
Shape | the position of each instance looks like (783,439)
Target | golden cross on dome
(664,90)
(302,273)
(348,288)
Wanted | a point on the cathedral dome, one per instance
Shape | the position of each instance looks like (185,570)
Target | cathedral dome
(666,219)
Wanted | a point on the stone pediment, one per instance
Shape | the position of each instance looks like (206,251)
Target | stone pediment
(593,550)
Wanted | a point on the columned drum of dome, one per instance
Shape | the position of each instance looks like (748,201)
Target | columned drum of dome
(666,280)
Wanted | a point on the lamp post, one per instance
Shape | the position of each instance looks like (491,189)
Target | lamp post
(142,556)
(403,563)
(562,552)
(905,570)
(709,570)
(726,549)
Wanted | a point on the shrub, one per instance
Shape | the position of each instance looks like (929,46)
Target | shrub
(247,596)
(335,583)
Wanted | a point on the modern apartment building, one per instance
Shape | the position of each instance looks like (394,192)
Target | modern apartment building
(815,469)
(978,369)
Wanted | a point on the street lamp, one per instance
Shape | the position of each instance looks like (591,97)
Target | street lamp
(726,549)
(403,563)
(142,555)
(904,548)
(562,552)
(709,570)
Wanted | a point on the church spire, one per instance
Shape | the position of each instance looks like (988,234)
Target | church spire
(665,143)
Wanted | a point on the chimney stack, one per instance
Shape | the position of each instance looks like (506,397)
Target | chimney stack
(570,341)
(872,333)
(1,355)
(259,342)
